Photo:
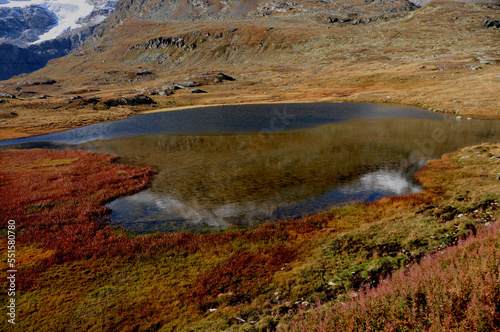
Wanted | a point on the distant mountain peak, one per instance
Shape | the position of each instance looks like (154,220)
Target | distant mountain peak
(35,31)
(51,18)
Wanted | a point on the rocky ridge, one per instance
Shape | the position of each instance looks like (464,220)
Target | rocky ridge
(220,10)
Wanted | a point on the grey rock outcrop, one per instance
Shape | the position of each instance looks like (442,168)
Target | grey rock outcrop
(189,10)
(164,42)
(491,24)
(196,90)
(6,95)
(422,3)
(130,101)
(189,84)
(16,60)
(23,25)
(224,77)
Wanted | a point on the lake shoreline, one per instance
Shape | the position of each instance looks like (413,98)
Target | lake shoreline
(25,125)
(341,153)
(301,260)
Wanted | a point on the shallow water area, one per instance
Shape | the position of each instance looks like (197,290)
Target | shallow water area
(241,165)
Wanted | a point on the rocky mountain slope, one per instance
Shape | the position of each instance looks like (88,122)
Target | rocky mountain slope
(66,24)
(24,25)
(425,2)
(33,32)
(219,10)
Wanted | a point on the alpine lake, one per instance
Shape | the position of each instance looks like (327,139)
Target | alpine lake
(234,166)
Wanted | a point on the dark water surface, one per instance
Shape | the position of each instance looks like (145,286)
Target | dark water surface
(228,119)
(240,165)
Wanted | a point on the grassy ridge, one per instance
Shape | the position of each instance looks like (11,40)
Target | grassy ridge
(78,274)
(455,290)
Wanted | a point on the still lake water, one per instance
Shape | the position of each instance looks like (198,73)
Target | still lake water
(239,165)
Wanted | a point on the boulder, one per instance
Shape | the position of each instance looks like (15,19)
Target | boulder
(91,100)
(143,72)
(170,87)
(140,100)
(114,102)
(49,81)
(216,77)
(45,81)
(6,95)
(189,84)
(491,24)
(197,91)
(224,77)
(129,101)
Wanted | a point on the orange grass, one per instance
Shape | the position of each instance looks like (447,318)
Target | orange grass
(109,280)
